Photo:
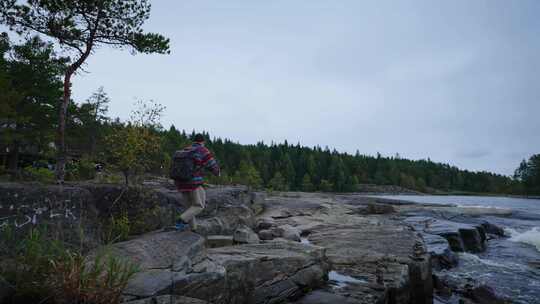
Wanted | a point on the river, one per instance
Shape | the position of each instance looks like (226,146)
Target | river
(511,265)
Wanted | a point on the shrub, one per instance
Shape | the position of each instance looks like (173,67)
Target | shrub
(43,175)
(100,280)
(45,270)
(86,168)
(117,229)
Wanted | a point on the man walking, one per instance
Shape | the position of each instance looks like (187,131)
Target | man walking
(189,182)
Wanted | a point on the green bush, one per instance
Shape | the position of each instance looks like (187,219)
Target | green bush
(45,270)
(87,168)
(108,177)
(43,175)
(117,229)
(82,169)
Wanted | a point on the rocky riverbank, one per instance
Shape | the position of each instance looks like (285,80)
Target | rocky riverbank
(250,247)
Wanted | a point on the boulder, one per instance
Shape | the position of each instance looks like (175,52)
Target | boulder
(245,235)
(492,228)
(266,235)
(473,239)
(264,223)
(225,219)
(290,233)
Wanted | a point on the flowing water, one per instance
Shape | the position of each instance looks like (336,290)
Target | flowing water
(510,265)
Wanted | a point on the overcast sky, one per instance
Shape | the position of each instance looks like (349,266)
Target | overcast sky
(455,81)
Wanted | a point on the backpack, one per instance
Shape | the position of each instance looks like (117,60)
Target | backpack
(183,165)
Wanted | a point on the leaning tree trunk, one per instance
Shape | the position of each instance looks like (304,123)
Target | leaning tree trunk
(61,151)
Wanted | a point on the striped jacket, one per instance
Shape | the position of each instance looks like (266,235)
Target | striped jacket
(203,160)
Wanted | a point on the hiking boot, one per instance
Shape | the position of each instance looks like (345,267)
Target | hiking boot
(181,226)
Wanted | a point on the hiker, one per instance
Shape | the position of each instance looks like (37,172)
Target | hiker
(187,170)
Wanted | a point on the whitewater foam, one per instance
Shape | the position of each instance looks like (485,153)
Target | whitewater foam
(476,259)
(531,236)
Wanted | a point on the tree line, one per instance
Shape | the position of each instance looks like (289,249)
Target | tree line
(32,85)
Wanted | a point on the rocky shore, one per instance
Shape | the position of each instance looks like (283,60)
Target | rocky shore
(253,247)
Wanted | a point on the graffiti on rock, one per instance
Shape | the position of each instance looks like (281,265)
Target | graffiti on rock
(24,215)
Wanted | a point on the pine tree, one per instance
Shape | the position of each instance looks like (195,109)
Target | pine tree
(278,183)
(307,185)
(79,27)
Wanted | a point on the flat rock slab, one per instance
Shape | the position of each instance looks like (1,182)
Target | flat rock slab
(168,299)
(252,273)
(270,272)
(162,250)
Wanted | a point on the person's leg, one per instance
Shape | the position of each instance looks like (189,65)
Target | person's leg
(201,201)
(197,203)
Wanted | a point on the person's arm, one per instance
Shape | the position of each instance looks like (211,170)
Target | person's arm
(210,163)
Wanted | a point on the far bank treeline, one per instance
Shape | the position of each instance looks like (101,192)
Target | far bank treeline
(31,87)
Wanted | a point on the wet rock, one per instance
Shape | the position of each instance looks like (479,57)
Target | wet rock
(461,237)
(245,235)
(492,228)
(485,295)
(442,256)
(454,240)
(266,235)
(473,239)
